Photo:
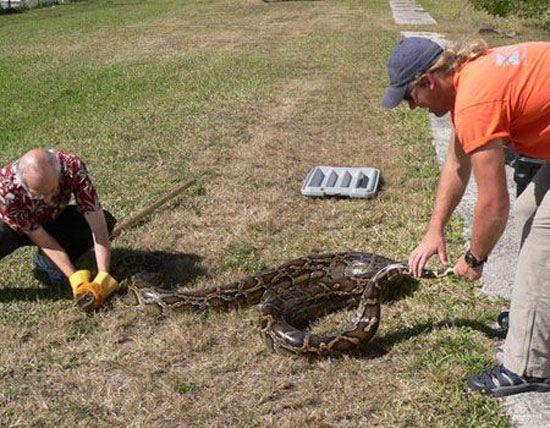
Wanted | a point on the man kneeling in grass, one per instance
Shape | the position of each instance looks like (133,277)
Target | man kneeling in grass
(35,192)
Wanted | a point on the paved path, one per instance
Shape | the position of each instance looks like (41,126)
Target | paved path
(526,410)
(407,12)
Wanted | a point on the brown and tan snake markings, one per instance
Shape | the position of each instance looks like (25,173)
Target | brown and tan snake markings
(294,294)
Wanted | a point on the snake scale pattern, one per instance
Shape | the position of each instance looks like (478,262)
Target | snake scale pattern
(296,293)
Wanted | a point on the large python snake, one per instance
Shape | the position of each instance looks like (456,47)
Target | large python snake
(297,293)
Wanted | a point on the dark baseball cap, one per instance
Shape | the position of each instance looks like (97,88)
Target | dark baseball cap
(412,57)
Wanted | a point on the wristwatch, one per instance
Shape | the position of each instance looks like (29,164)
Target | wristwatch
(471,259)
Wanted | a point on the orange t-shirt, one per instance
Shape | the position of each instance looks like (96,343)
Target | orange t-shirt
(505,94)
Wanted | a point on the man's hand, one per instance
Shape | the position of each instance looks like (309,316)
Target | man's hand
(77,279)
(91,295)
(107,283)
(462,270)
(88,296)
(431,244)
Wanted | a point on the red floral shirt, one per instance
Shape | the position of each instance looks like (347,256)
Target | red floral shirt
(24,214)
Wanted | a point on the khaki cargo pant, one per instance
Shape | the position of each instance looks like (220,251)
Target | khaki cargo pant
(526,350)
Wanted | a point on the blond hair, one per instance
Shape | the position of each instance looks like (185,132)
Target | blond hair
(453,57)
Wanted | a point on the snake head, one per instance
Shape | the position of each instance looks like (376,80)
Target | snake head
(363,267)
(368,268)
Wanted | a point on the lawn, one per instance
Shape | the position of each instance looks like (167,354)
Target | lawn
(245,97)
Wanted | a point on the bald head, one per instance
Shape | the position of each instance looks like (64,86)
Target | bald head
(39,171)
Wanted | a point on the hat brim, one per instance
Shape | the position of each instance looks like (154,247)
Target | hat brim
(393,96)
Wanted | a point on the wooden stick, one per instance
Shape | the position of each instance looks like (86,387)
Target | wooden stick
(148,210)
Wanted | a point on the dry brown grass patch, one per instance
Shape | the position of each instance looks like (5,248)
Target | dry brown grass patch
(218,30)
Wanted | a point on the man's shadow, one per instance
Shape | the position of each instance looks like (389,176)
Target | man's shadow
(174,268)
(381,345)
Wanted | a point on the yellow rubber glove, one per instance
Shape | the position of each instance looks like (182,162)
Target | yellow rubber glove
(91,295)
(78,278)
(88,296)
(107,283)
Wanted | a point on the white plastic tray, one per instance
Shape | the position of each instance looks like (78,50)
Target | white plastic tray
(359,182)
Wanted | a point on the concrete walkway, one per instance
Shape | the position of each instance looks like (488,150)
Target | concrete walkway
(529,409)
(407,12)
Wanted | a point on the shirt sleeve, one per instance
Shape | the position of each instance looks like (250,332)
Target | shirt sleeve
(81,184)
(16,215)
(478,125)
(14,209)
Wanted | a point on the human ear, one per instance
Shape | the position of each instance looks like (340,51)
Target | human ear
(430,81)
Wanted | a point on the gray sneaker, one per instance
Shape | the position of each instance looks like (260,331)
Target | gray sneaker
(44,265)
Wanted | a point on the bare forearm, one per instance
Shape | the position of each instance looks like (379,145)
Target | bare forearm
(100,233)
(52,250)
(454,179)
(490,220)
(451,188)
(493,201)
(60,258)
(103,256)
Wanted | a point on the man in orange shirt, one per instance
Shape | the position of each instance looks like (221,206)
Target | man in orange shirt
(498,98)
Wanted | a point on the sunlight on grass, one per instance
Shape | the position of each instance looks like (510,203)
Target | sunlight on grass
(245,97)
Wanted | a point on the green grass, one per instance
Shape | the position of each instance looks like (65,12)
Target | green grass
(246,97)
(241,256)
(181,386)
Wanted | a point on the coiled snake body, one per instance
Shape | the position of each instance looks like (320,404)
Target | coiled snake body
(296,293)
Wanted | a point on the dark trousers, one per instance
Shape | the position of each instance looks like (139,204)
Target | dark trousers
(525,169)
(70,229)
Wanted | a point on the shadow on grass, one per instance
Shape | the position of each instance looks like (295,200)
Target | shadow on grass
(381,345)
(174,268)
(403,289)
(29,294)
(10,10)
